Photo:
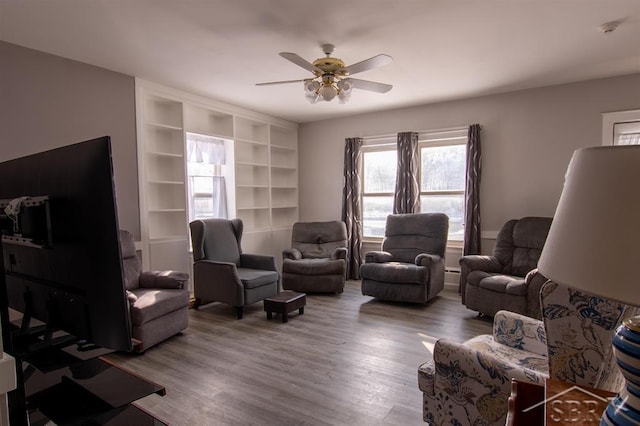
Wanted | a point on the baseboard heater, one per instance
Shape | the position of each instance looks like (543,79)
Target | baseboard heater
(452,276)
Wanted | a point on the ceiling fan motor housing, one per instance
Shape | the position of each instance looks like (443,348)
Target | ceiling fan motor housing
(328,65)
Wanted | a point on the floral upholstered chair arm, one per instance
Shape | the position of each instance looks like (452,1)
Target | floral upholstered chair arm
(520,332)
(474,369)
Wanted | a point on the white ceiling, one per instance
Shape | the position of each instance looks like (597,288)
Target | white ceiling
(441,49)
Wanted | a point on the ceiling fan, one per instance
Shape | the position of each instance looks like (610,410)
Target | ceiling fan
(332,77)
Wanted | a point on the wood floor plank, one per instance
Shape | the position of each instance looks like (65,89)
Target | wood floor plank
(348,360)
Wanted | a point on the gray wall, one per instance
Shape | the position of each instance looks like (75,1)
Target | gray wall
(528,138)
(47,101)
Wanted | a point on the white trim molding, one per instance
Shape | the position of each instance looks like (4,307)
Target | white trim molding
(609,120)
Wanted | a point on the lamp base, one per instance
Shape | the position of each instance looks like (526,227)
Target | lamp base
(624,409)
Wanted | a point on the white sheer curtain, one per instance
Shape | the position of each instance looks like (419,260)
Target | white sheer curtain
(205,149)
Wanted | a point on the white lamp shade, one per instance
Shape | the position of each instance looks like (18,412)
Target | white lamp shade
(594,240)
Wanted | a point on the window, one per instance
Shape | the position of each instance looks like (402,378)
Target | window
(621,128)
(206,185)
(442,181)
(626,133)
(378,188)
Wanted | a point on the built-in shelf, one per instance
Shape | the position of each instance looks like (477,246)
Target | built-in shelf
(262,186)
(166,154)
(164,126)
(167,182)
(245,163)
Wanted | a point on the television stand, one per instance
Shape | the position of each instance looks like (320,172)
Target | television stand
(93,391)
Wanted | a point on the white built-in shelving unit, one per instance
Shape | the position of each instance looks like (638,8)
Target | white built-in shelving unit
(262,189)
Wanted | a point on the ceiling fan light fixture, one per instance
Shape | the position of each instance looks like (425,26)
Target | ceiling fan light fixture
(312,97)
(330,76)
(328,92)
(311,86)
(344,90)
(343,97)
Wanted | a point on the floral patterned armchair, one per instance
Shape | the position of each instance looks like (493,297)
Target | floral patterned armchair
(469,383)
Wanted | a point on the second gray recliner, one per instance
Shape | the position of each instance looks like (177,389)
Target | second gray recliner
(410,267)
(316,261)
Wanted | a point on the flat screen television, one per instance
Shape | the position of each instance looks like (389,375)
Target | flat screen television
(62,264)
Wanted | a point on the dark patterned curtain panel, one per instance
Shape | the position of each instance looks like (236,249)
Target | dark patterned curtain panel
(472,193)
(351,211)
(407,199)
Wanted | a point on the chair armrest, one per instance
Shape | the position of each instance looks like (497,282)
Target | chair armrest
(218,281)
(293,254)
(471,371)
(131,297)
(520,332)
(378,257)
(534,281)
(163,279)
(339,253)
(258,261)
(211,270)
(425,259)
(476,262)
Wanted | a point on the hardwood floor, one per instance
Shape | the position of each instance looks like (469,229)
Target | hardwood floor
(349,360)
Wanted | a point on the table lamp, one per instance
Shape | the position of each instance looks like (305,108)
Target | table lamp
(594,245)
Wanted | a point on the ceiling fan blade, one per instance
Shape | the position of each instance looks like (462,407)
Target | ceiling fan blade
(367,64)
(370,85)
(300,61)
(278,82)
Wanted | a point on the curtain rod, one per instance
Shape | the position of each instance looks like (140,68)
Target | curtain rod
(393,135)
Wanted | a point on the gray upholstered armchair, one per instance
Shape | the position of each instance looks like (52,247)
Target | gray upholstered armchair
(222,272)
(507,279)
(410,267)
(316,261)
(158,300)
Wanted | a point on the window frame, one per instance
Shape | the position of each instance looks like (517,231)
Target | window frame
(610,119)
(429,139)
(381,145)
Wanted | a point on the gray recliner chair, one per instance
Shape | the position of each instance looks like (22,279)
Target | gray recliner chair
(410,267)
(508,279)
(158,300)
(222,272)
(316,261)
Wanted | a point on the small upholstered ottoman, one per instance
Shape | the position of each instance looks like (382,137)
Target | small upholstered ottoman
(285,302)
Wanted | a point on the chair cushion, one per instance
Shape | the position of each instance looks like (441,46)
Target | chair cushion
(494,282)
(154,303)
(216,239)
(314,266)
(408,235)
(520,242)
(395,272)
(318,239)
(253,278)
